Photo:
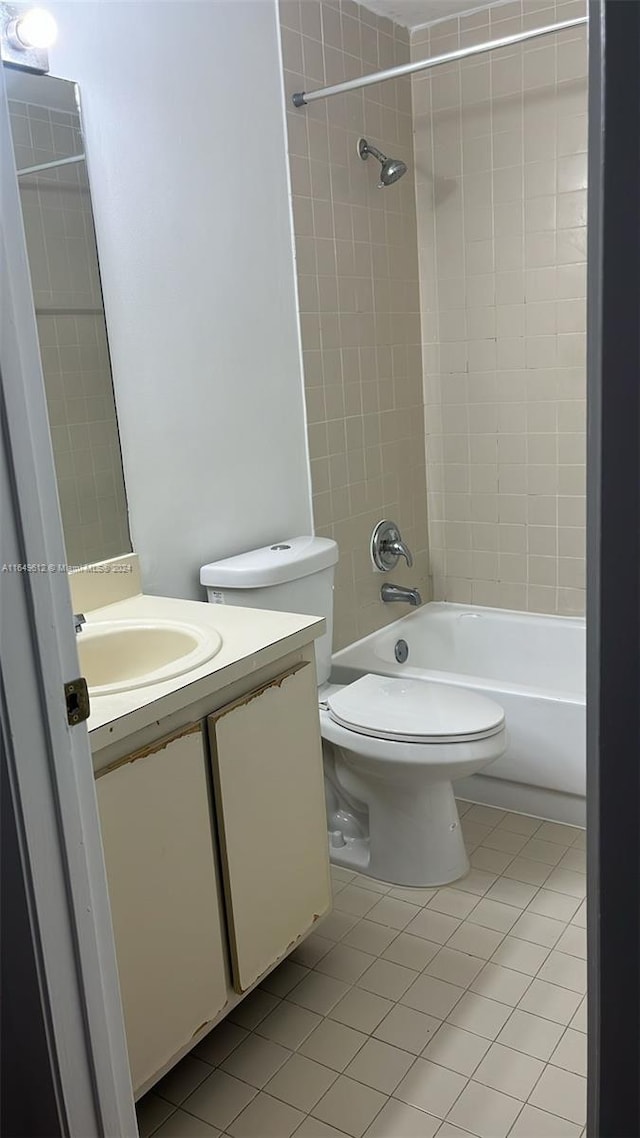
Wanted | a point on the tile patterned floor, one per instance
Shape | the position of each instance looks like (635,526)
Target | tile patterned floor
(413,1012)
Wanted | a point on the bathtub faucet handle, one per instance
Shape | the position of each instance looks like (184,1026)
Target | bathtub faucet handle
(387,547)
(399,549)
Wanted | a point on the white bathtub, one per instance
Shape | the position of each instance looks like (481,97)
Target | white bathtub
(533,665)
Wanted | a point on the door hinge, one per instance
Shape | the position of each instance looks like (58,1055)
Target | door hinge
(76,695)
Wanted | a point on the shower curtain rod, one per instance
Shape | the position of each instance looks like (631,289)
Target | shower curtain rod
(301,98)
(50,165)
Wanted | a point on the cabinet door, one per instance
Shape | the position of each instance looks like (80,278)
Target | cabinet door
(269,789)
(155,816)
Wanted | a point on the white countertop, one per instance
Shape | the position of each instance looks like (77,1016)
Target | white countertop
(251,639)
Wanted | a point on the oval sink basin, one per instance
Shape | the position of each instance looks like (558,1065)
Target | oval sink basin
(120,655)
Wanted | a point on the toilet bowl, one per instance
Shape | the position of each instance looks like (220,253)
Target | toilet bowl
(392,748)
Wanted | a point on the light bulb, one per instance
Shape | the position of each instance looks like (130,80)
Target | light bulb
(36,29)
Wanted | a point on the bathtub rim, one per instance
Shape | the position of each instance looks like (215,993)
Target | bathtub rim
(343,666)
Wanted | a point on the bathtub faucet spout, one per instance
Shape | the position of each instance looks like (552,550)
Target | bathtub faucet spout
(407,596)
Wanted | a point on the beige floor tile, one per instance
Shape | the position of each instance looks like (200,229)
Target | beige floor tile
(510,892)
(509,1071)
(432,996)
(253,1009)
(534,1123)
(565,881)
(284,978)
(435,927)
(411,951)
(355,900)
(550,1002)
(182,1080)
(312,950)
(456,1049)
(526,870)
(479,1015)
(561,1093)
(220,1042)
(361,1010)
(539,930)
(289,1025)
(152,1111)
(339,873)
(393,913)
(494,915)
(219,1099)
(574,942)
(475,940)
(506,841)
(580,840)
(520,955)
(318,993)
(350,1106)
(547,903)
(301,1082)
(558,832)
(531,1034)
(575,860)
(419,897)
(266,1117)
(385,978)
(407,1028)
(571,1052)
(369,937)
(336,925)
(345,963)
(485,815)
(448,1130)
(474,834)
(333,1044)
(379,1065)
(256,1060)
(502,984)
(453,902)
(364,882)
(477,881)
(536,849)
(484,1112)
(490,861)
(430,1087)
(454,967)
(399,1119)
(314,1128)
(579,1021)
(183,1125)
(520,824)
(567,971)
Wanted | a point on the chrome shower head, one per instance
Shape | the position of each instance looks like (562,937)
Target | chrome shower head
(392,168)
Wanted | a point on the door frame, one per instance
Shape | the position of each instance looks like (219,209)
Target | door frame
(613,564)
(47,763)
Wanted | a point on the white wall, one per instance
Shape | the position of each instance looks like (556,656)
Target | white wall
(185,142)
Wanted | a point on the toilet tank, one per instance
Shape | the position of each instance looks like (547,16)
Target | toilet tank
(295,575)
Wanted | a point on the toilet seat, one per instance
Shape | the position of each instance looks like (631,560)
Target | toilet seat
(413,711)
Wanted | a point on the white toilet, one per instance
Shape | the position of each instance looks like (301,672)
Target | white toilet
(391,746)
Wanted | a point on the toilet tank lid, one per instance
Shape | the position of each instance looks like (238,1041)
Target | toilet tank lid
(272,565)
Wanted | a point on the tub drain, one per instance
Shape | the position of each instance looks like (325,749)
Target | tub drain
(401,651)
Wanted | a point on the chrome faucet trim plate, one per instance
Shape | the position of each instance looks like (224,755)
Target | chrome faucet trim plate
(387,547)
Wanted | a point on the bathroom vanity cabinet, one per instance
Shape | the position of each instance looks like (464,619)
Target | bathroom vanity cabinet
(216,853)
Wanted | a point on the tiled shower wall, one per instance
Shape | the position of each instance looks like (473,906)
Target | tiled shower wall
(72,334)
(501,169)
(357,266)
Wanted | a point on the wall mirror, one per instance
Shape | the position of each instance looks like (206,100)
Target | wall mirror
(63,260)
